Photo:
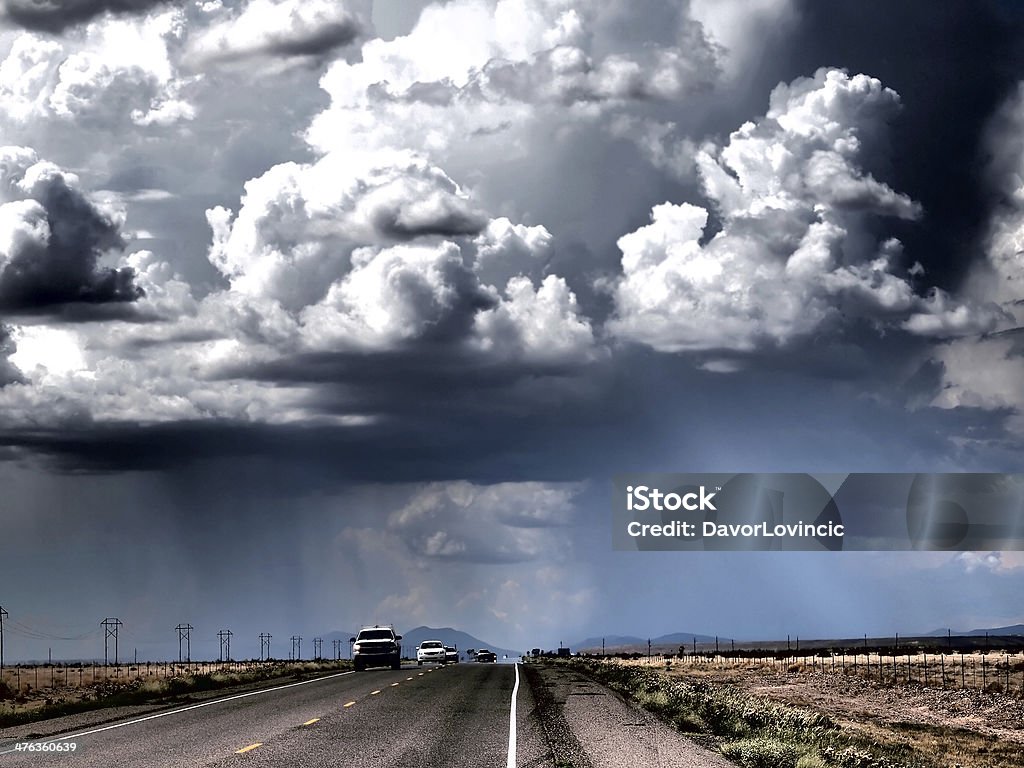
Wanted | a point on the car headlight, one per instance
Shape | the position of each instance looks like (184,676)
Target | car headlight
(355,647)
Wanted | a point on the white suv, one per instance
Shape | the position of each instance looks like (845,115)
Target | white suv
(430,650)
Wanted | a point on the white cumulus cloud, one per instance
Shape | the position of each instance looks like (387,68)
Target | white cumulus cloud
(794,253)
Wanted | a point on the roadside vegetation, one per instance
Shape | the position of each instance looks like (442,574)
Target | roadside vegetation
(31,705)
(751,730)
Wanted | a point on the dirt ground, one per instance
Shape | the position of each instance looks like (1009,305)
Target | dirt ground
(953,727)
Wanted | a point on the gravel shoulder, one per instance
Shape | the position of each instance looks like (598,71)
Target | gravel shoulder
(589,726)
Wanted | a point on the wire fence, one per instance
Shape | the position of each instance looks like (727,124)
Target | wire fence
(991,672)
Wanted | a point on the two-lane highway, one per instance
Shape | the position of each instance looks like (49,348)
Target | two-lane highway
(478,715)
(417,716)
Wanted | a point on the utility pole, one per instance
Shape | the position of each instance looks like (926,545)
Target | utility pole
(110,628)
(225,644)
(337,649)
(265,644)
(3,615)
(318,644)
(296,648)
(184,634)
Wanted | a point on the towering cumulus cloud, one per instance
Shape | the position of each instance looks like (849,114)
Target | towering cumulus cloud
(51,239)
(796,251)
(116,75)
(472,69)
(376,250)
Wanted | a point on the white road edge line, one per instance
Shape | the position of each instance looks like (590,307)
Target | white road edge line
(183,709)
(512,724)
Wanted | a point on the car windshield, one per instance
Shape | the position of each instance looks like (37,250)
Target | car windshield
(375,634)
(431,644)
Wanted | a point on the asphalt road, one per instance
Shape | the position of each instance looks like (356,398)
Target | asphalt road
(427,716)
(478,715)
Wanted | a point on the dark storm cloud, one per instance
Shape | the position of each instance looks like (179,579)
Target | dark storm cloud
(311,43)
(57,15)
(441,216)
(648,413)
(317,42)
(55,237)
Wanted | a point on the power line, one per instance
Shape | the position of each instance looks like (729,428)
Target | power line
(110,629)
(318,644)
(185,633)
(265,644)
(23,630)
(296,644)
(3,614)
(225,644)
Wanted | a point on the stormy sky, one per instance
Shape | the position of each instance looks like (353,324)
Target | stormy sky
(320,313)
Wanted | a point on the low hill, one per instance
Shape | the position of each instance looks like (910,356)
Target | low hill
(1014,629)
(450,637)
(410,639)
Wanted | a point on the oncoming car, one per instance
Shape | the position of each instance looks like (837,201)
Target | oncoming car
(451,654)
(376,647)
(431,650)
(486,657)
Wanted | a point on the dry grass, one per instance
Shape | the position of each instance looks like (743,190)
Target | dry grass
(874,724)
(34,693)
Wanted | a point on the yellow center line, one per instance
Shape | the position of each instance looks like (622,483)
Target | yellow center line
(250,748)
(374,693)
(350,704)
(310,722)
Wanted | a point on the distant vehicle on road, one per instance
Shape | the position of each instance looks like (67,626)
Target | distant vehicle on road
(486,657)
(451,654)
(376,647)
(430,650)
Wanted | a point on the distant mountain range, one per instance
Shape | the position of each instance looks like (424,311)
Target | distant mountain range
(615,642)
(632,643)
(413,637)
(1014,629)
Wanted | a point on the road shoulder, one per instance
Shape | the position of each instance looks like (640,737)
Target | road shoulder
(587,725)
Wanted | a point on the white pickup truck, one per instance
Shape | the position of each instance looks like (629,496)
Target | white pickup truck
(376,647)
